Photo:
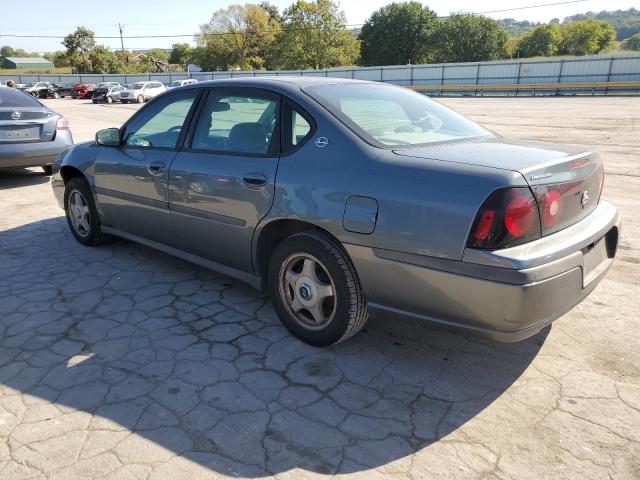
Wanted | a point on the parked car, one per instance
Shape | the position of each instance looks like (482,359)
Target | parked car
(140,92)
(31,134)
(182,83)
(107,94)
(66,89)
(35,89)
(82,90)
(345,197)
(55,90)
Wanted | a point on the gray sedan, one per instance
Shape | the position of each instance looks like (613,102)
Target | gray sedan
(346,198)
(31,134)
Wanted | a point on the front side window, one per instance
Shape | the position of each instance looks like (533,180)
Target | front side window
(159,125)
(236,123)
(392,116)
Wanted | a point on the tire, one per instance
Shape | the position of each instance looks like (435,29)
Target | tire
(140,99)
(93,100)
(109,99)
(91,234)
(56,95)
(336,317)
(47,169)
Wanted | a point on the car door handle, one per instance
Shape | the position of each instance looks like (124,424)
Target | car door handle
(156,168)
(254,179)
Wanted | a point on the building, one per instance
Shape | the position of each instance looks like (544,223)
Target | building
(14,63)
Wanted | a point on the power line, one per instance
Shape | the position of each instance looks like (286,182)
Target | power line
(187,35)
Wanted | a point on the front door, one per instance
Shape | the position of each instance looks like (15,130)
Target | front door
(222,184)
(132,180)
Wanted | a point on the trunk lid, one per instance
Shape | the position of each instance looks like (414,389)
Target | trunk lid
(27,125)
(565,180)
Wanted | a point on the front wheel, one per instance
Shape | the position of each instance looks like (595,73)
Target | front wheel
(315,289)
(81,213)
(140,99)
(109,99)
(56,95)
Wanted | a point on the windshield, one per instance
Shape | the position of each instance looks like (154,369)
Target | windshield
(176,83)
(393,116)
(137,86)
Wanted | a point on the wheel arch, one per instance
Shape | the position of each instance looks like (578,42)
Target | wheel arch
(272,233)
(67,172)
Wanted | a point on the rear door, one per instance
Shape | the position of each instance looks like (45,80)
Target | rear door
(222,184)
(131,180)
(23,119)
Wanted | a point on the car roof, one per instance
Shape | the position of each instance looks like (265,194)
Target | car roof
(275,81)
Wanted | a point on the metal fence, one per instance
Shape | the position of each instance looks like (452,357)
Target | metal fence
(622,72)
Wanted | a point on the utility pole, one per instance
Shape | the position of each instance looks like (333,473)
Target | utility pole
(121,28)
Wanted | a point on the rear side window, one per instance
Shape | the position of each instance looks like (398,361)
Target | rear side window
(12,98)
(238,123)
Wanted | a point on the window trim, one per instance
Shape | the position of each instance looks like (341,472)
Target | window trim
(286,147)
(274,146)
(185,124)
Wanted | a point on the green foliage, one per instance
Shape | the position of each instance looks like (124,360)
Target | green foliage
(180,53)
(104,60)
(397,34)
(78,45)
(237,37)
(516,28)
(626,22)
(59,59)
(7,51)
(470,38)
(587,37)
(314,36)
(632,43)
(544,40)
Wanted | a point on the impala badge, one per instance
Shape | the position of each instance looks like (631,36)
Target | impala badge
(16,115)
(321,142)
(584,198)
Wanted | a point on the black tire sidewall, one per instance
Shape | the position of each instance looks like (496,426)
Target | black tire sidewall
(333,332)
(80,185)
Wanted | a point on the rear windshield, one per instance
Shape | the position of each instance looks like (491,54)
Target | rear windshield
(392,116)
(10,97)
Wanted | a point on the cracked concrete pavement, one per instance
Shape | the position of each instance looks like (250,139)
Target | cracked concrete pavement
(120,362)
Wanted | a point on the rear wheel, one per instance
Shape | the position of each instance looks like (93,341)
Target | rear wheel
(81,213)
(140,99)
(56,95)
(109,99)
(315,289)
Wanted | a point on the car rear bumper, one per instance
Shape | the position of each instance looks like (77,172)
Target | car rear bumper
(34,154)
(504,302)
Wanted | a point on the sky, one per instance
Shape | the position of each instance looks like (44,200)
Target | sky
(168,17)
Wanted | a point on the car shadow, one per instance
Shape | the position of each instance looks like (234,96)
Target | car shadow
(21,177)
(198,364)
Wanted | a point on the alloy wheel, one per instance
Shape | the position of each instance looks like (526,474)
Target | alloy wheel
(308,291)
(79,214)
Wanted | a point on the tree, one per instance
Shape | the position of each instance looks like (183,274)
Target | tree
(58,58)
(180,53)
(587,37)
(314,36)
(397,34)
(544,40)
(470,38)
(632,43)
(104,60)
(78,45)
(7,51)
(237,37)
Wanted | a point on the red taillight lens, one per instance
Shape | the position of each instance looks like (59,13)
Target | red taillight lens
(62,124)
(483,228)
(520,214)
(508,217)
(552,209)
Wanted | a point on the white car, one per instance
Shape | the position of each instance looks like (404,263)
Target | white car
(181,83)
(142,91)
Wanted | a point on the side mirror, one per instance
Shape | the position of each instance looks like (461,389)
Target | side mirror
(108,137)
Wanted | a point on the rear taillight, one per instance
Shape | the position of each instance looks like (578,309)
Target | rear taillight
(62,124)
(508,217)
